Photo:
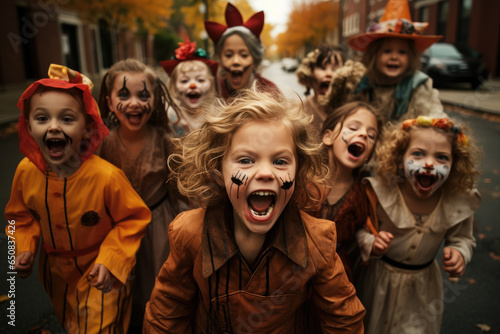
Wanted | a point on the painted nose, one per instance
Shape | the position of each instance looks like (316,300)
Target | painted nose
(192,85)
(428,167)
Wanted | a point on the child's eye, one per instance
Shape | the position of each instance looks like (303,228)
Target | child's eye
(201,80)
(144,95)
(402,52)
(280,162)
(67,119)
(41,118)
(417,154)
(245,161)
(184,81)
(443,157)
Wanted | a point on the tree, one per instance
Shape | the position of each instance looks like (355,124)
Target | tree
(150,15)
(309,24)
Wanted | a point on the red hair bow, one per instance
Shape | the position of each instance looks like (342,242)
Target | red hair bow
(233,18)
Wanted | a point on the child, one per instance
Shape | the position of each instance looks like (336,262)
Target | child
(192,84)
(315,71)
(392,81)
(247,261)
(88,214)
(349,135)
(424,193)
(139,143)
(239,52)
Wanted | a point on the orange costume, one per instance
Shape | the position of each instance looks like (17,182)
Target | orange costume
(92,216)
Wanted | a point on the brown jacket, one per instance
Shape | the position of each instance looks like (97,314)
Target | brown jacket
(206,286)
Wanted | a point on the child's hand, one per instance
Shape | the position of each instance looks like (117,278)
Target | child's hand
(104,280)
(453,262)
(24,264)
(382,243)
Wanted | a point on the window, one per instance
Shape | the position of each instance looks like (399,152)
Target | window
(442,16)
(464,21)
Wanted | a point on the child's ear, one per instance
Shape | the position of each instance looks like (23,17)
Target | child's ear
(328,138)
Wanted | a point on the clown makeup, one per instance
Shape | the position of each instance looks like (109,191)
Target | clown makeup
(192,87)
(131,100)
(57,124)
(427,161)
(353,140)
(237,62)
(262,162)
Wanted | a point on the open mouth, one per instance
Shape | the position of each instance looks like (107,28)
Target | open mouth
(236,76)
(425,181)
(56,147)
(356,149)
(393,67)
(134,118)
(193,96)
(261,203)
(323,87)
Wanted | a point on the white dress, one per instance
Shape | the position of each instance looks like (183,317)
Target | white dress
(408,300)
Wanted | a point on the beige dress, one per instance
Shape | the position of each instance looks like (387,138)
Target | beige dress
(403,300)
(148,173)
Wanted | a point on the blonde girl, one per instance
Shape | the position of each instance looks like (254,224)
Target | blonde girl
(192,86)
(132,100)
(424,193)
(247,260)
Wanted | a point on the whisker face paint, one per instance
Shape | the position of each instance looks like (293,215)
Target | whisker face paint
(239,179)
(287,184)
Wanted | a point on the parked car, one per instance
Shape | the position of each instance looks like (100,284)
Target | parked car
(445,62)
(289,64)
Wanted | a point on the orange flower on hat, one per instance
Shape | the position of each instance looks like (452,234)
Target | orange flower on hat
(185,50)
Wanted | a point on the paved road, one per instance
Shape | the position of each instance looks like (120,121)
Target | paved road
(474,300)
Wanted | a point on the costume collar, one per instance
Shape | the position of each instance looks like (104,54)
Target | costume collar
(218,238)
(453,207)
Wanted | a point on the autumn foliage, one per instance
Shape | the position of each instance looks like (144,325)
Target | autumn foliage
(309,24)
(151,14)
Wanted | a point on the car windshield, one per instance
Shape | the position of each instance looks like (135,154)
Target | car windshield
(446,51)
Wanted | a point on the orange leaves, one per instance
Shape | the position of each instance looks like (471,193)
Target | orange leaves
(152,14)
(309,24)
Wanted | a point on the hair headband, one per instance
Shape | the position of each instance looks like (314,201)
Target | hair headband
(440,123)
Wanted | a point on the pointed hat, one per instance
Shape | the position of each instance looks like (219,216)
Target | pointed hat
(395,23)
(233,19)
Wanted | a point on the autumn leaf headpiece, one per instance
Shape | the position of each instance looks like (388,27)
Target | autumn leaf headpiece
(233,19)
(440,123)
(187,51)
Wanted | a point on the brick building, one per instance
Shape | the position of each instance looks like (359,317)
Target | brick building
(35,33)
(471,22)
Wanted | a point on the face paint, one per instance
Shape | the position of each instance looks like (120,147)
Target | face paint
(238,179)
(287,184)
(425,178)
(124,92)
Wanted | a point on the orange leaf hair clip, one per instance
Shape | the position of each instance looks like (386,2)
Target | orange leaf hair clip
(440,123)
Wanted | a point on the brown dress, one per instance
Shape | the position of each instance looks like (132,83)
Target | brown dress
(148,173)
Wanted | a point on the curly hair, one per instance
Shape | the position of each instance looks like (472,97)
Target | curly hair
(395,142)
(320,57)
(158,117)
(197,163)
(370,60)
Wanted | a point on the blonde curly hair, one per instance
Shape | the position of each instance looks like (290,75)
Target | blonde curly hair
(197,162)
(395,141)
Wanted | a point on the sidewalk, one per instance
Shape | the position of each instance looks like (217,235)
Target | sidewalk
(485,99)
